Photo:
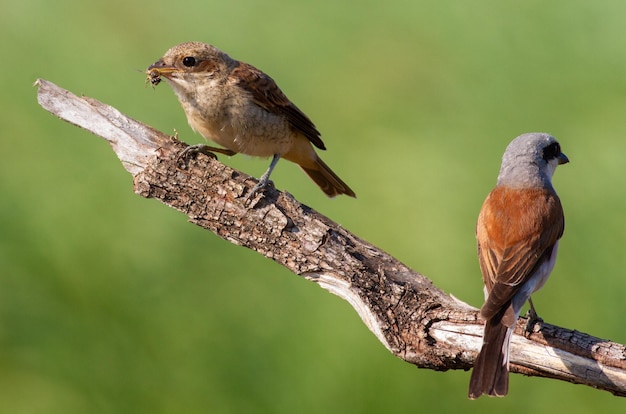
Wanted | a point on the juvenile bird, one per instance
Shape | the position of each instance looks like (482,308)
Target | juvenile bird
(242,109)
(518,232)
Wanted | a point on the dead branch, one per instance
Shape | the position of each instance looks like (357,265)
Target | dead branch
(414,319)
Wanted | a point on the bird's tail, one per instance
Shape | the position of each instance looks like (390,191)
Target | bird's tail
(326,179)
(491,369)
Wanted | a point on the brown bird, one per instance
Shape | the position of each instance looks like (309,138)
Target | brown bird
(518,232)
(242,109)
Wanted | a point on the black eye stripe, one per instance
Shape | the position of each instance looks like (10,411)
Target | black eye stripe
(552,151)
(189,61)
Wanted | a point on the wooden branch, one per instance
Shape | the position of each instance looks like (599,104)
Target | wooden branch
(414,319)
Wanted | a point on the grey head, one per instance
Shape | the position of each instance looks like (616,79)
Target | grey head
(530,161)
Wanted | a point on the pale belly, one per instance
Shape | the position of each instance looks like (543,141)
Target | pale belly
(253,132)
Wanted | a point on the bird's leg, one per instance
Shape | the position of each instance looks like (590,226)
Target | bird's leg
(265,178)
(533,318)
(193,150)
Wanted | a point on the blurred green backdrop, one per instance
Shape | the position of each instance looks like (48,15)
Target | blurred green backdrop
(110,303)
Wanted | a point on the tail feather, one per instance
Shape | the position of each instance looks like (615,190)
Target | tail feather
(326,179)
(491,369)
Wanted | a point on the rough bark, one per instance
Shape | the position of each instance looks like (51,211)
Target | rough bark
(414,319)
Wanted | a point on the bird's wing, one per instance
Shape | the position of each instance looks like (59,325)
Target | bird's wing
(268,96)
(516,232)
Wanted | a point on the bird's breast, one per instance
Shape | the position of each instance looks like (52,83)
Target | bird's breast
(234,121)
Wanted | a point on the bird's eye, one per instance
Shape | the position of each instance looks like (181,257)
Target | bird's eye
(189,61)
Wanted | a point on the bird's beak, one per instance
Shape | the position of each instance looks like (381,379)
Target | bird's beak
(562,158)
(158,69)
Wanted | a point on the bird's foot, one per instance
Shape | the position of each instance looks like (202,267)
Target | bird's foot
(533,319)
(193,150)
(260,186)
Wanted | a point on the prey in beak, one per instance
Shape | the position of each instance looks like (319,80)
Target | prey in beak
(153,76)
(156,70)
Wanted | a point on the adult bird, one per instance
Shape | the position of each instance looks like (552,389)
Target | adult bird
(242,109)
(518,232)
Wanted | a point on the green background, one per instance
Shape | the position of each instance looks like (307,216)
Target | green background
(110,303)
